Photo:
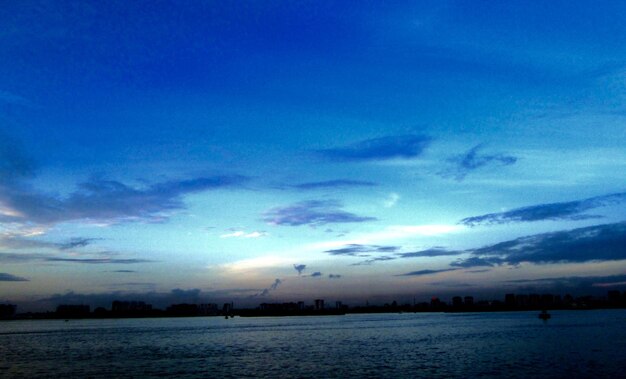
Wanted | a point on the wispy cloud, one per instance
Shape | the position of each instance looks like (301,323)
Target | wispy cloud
(427,272)
(18,241)
(570,210)
(107,201)
(333,184)
(472,160)
(389,147)
(312,213)
(243,234)
(574,282)
(361,250)
(433,252)
(98,260)
(370,261)
(4,277)
(595,243)
(391,200)
(316,274)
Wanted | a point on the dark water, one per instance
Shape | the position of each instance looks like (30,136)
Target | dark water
(514,345)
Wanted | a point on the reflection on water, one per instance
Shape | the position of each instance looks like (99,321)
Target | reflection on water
(583,343)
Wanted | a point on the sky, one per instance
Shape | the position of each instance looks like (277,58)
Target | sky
(266,151)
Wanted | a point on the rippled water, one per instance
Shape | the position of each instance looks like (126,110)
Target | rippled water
(571,344)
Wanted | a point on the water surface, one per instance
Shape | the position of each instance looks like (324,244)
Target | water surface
(515,345)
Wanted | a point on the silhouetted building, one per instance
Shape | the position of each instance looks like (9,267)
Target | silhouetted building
(614,297)
(509,300)
(319,304)
(227,308)
(338,304)
(130,306)
(435,303)
(547,300)
(457,301)
(208,309)
(182,310)
(7,310)
(469,301)
(73,310)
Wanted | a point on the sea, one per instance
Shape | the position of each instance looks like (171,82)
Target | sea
(571,344)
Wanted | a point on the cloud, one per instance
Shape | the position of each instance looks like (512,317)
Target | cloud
(402,146)
(372,260)
(427,272)
(243,234)
(477,262)
(359,250)
(338,183)
(433,252)
(571,210)
(334,276)
(391,200)
(312,213)
(299,268)
(77,243)
(594,243)
(4,277)
(472,160)
(269,289)
(107,201)
(580,284)
(316,274)
(21,258)
(124,271)
(18,241)
(98,260)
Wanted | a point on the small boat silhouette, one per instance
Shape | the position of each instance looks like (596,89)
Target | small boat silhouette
(544,315)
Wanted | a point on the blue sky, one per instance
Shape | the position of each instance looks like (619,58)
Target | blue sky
(270,151)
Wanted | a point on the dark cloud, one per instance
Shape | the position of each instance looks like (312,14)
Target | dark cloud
(98,260)
(576,281)
(316,274)
(339,183)
(334,276)
(403,146)
(21,257)
(477,262)
(594,243)
(359,250)
(107,200)
(427,272)
(299,268)
(472,160)
(266,291)
(372,260)
(14,241)
(313,213)
(77,243)
(477,271)
(433,252)
(124,271)
(571,210)
(4,277)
